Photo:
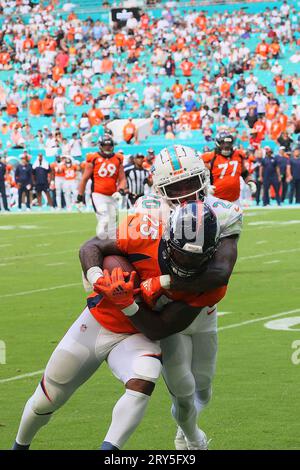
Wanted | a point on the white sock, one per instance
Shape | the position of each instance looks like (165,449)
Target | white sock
(30,424)
(126,416)
(185,414)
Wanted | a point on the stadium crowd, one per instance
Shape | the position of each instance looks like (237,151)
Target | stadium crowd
(64,77)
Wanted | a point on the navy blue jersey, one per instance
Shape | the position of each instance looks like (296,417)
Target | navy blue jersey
(295,168)
(41,175)
(23,174)
(282,163)
(2,172)
(269,165)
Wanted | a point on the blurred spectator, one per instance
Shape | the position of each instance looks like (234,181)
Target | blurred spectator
(130,132)
(48,106)
(293,176)
(149,160)
(285,141)
(269,175)
(283,161)
(23,177)
(41,179)
(2,184)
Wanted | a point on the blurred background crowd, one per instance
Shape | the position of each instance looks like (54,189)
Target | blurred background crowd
(175,72)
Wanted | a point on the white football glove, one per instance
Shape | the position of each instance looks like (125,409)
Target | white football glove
(253,187)
(86,285)
(211,190)
(117,197)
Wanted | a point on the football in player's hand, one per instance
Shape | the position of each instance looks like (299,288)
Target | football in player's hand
(113,261)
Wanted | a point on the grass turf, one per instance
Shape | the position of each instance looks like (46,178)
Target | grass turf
(256,385)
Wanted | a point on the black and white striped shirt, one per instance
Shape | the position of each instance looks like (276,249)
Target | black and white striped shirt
(136,179)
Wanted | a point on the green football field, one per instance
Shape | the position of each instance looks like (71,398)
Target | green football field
(255,402)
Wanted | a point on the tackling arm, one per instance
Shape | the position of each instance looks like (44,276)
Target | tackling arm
(218,271)
(175,317)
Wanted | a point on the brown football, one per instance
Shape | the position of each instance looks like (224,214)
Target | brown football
(113,261)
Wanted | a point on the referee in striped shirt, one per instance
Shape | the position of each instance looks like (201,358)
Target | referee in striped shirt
(137,177)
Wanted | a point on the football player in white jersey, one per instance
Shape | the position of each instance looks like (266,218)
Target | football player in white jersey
(189,357)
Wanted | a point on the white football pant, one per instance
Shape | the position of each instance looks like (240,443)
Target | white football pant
(189,363)
(59,188)
(79,354)
(106,209)
(70,192)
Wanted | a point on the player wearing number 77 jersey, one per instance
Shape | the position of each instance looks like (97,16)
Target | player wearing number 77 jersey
(105,168)
(227,166)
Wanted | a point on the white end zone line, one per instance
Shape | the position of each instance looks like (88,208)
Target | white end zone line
(235,325)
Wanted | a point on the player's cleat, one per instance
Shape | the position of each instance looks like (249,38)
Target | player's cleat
(180,441)
(108,446)
(17,446)
(200,444)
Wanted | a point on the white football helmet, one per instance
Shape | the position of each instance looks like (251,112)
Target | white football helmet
(180,173)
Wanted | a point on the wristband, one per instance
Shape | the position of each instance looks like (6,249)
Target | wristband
(165,281)
(93,274)
(131,309)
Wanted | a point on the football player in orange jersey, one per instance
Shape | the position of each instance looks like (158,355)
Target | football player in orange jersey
(105,168)
(109,328)
(227,166)
(70,182)
(57,179)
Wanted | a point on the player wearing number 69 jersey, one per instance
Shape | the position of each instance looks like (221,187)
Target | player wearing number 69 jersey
(105,169)
(227,166)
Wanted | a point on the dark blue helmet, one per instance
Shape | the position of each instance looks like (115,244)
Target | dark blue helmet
(106,146)
(190,239)
(224,144)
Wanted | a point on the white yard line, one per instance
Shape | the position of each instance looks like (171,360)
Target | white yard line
(45,289)
(235,325)
(272,262)
(10,258)
(55,264)
(248,322)
(271,253)
(50,234)
(23,376)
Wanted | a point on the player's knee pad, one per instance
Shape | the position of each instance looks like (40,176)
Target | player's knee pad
(147,367)
(41,403)
(180,384)
(204,396)
(183,408)
(64,366)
